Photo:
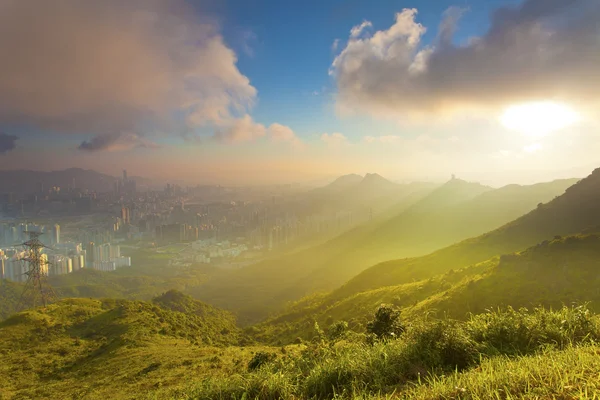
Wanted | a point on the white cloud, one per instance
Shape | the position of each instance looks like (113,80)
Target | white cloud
(335,44)
(240,130)
(358,29)
(245,129)
(282,133)
(541,49)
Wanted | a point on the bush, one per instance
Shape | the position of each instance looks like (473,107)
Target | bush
(261,358)
(386,324)
(442,344)
(337,331)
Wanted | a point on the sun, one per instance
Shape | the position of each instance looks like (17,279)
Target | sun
(539,118)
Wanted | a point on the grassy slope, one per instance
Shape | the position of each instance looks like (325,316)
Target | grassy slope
(457,209)
(575,211)
(430,356)
(551,274)
(94,348)
(554,273)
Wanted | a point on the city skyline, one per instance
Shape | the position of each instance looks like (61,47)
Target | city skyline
(303,92)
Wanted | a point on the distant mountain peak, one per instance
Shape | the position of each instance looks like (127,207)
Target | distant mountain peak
(346,180)
(374,177)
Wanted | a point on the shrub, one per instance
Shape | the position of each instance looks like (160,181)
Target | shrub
(386,324)
(260,358)
(337,331)
(442,344)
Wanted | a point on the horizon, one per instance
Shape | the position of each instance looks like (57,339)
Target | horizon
(324,181)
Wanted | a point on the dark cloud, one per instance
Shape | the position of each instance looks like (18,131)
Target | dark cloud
(542,49)
(7,143)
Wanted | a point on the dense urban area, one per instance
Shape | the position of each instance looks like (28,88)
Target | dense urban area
(225,227)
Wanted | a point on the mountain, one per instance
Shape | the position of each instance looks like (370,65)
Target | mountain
(353,193)
(574,211)
(455,211)
(554,273)
(423,222)
(26,181)
(342,182)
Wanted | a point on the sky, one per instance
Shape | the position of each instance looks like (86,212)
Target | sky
(270,91)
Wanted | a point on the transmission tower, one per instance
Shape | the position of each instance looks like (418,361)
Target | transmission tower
(37,290)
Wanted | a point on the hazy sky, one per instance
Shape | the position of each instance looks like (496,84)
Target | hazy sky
(274,91)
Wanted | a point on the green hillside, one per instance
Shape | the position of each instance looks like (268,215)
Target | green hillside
(423,221)
(506,354)
(91,348)
(575,211)
(551,274)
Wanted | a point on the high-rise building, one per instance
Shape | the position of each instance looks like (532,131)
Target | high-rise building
(56,234)
(91,253)
(124,176)
(125,215)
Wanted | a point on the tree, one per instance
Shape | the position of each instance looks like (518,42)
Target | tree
(386,324)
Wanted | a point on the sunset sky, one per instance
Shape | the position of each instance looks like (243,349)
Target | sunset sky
(272,91)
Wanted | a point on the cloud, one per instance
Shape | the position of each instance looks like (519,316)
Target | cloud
(116,142)
(358,29)
(334,139)
(245,130)
(282,133)
(542,49)
(111,67)
(335,44)
(7,143)
(241,130)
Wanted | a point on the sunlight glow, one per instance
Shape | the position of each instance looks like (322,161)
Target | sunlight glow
(538,119)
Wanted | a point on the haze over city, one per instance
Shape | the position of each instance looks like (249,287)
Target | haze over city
(261,92)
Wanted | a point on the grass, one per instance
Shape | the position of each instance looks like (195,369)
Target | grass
(117,349)
(441,359)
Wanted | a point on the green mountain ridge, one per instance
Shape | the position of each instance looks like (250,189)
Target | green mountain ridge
(570,213)
(560,272)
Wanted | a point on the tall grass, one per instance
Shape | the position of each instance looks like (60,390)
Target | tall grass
(429,356)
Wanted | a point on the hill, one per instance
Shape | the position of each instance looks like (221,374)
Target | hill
(90,348)
(554,273)
(574,211)
(143,281)
(563,271)
(422,222)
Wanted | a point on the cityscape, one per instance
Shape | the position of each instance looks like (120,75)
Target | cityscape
(83,228)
